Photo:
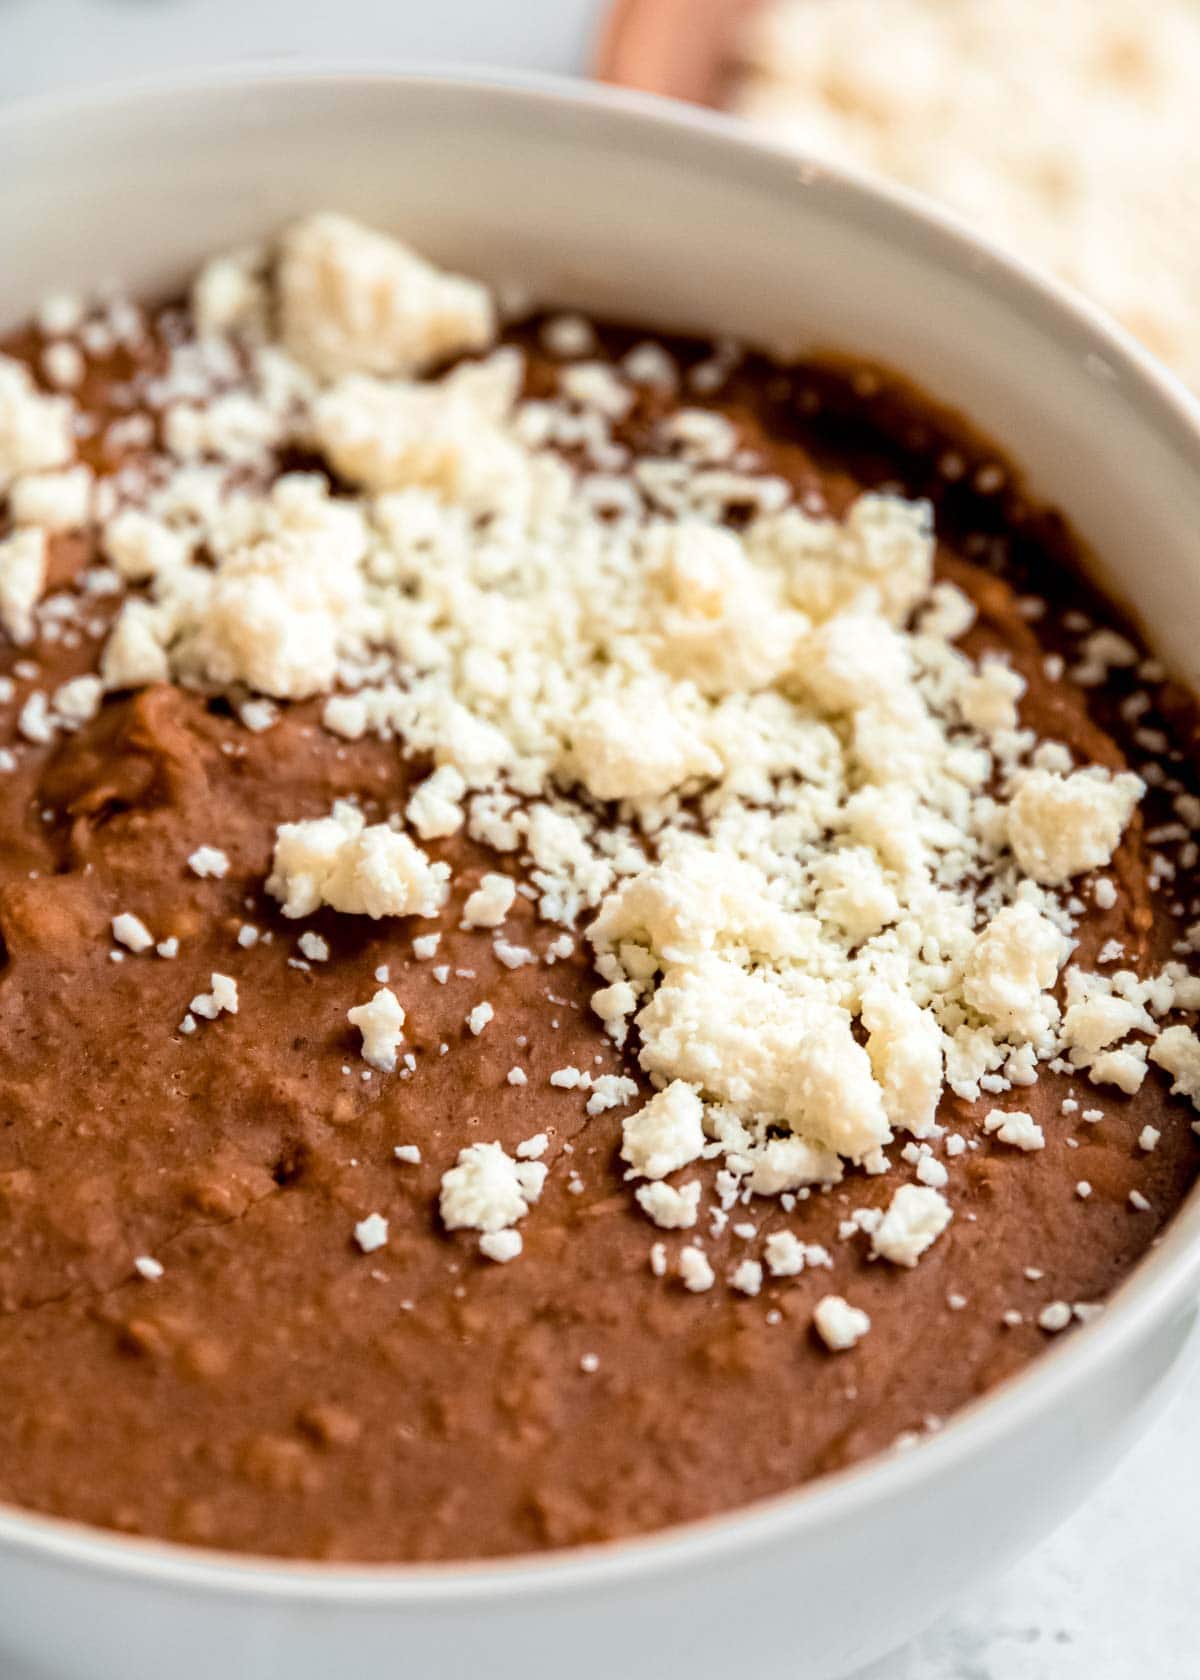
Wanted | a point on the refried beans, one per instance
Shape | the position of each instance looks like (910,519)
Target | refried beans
(194,1342)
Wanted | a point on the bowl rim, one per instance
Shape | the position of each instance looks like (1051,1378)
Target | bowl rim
(1163,1282)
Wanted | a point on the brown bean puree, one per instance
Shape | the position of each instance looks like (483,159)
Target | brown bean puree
(279,1390)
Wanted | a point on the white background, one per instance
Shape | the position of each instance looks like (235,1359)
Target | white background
(55,43)
(1116,1594)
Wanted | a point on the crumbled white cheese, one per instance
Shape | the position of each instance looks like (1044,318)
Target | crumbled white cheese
(222,997)
(131,931)
(381,1023)
(672,1209)
(824,888)
(35,430)
(146,1266)
(278,610)
(1015,1127)
(487,1190)
(57,501)
(596,386)
(356,301)
(141,547)
(63,365)
(650,364)
(1014,963)
(633,746)
(785,1254)
(1104,893)
(1061,826)
(1177,1049)
(747,1277)
(34,720)
(915,1218)
(490,903)
(695,1271)
(479,1017)
(666,1134)
(409,1153)
(371,1233)
(338,860)
(989,700)
(501,1246)
(513,956)
(22,580)
(839,1325)
(765,1050)
(569,1078)
(209,862)
(446,436)
(1124,1068)
(229,294)
(134,654)
(1096,1018)
(791,1163)
(931,1171)
(1086,184)
(235,427)
(347,715)
(904,1043)
(435,808)
(77,701)
(610,1090)
(567,336)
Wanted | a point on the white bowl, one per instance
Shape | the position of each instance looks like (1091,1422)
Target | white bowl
(633,207)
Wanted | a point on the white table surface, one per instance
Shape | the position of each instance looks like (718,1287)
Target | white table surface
(1113,1596)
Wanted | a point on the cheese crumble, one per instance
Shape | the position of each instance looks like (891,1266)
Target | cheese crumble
(380,1022)
(371,1233)
(721,743)
(1015,1127)
(839,1325)
(209,862)
(666,1134)
(360,869)
(132,932)
(915,1218)
(1090,181)
(222,998)
(487,1190)
(357,301)
(22,580)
